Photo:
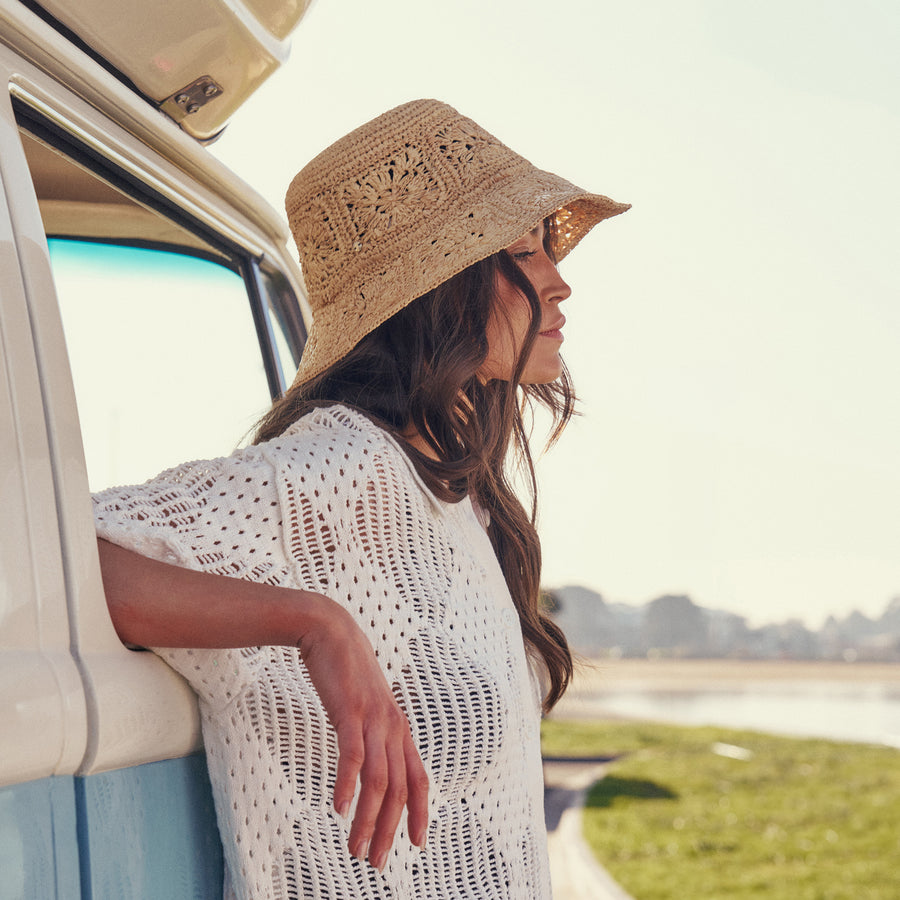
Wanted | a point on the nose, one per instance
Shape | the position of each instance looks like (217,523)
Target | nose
(555,287)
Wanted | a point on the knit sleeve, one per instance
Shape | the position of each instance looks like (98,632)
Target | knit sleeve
(220,516)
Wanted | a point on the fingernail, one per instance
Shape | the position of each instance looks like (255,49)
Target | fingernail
(380,860)
(421,837)
(344,809)
(362,850)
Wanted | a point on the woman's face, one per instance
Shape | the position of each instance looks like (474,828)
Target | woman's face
(509,322)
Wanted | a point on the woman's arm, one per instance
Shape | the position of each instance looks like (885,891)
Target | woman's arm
(153,604)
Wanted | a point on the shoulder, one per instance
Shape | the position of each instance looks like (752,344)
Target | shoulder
(336,449)
(337,427)
(334,440)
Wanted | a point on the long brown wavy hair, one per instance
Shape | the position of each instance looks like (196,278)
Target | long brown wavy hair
(418,370)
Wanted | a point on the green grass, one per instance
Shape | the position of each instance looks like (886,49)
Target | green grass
(799,820)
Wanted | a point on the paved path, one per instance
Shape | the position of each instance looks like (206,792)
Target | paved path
(575,872)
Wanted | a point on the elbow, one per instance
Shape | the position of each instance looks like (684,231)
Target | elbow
(118,586)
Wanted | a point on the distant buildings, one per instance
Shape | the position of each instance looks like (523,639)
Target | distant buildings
(674,626)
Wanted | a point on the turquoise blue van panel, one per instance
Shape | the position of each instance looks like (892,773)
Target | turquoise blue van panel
(38,850)
(149,833)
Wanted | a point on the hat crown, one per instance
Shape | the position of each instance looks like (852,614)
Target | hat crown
(374,193)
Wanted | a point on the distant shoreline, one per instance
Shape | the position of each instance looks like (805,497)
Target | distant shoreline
(685,674)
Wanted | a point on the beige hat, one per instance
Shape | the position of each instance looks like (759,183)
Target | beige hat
(406,201)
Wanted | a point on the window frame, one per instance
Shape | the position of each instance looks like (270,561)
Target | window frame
(233,255)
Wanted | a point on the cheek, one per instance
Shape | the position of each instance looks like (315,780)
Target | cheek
(497,363)
(506,332)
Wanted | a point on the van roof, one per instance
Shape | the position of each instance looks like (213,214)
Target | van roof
(197,60)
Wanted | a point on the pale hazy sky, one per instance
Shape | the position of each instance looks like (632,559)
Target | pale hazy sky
(734,337)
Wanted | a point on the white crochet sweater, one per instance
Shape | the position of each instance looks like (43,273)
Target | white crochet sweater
(333,505)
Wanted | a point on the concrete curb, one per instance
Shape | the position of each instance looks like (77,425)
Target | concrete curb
(575,872)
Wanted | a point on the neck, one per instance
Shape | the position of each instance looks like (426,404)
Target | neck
(416,440)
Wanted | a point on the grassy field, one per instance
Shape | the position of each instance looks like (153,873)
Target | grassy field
(717,814)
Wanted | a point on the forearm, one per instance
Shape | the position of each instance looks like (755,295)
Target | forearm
(154,604)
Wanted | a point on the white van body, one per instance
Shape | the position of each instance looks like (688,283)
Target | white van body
(147,298)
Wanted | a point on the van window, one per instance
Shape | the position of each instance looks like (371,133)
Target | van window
(164,356)
(176,343)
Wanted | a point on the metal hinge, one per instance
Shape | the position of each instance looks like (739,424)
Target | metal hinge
(191,98)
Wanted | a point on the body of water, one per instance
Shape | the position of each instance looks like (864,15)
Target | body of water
(849,711)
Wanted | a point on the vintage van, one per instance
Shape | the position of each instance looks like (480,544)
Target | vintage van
(149,310)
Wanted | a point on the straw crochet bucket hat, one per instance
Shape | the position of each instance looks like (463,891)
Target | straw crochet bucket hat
(406,201)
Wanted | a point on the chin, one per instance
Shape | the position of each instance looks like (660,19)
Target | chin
(542,374)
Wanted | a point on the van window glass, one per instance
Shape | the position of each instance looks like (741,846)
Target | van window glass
(164,356)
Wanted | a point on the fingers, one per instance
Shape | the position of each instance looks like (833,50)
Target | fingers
(350,761)
(417,788)
(391,804)
(373,785)
(391,776)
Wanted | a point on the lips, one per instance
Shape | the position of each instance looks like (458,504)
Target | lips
(555,330)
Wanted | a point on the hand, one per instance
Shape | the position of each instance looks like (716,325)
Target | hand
(374,740)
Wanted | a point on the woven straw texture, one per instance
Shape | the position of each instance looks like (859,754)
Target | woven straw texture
(334,506)
(406,201)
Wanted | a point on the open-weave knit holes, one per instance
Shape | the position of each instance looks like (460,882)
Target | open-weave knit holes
(453,827)
(420,579)
(310,538)
(295,729)
(314,864)
(461,727)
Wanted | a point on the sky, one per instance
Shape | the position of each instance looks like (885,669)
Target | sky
(733,337)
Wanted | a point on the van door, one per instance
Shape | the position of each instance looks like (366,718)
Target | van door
(138,328)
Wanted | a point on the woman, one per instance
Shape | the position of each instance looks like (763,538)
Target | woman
(363,582)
